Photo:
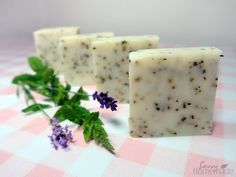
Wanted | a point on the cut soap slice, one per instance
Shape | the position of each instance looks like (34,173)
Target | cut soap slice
(77,60)
(112,63)
(172,91)
(46,43)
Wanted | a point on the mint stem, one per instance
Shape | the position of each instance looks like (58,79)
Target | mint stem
(28,93)
(55,89)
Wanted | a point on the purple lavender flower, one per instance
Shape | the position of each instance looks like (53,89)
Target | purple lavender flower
(61,136)
(105,100)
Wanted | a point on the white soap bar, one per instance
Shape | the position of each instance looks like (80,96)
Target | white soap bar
(77,60)
(46,43)
(172,91)
(112,63)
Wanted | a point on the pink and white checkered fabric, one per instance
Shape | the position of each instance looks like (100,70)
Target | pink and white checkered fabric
(25,149)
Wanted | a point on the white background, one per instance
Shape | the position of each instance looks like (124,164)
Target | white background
(187,22)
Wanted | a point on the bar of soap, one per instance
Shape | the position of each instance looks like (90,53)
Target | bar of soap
(46,43)
(172,91)
(77,60)
(112,63)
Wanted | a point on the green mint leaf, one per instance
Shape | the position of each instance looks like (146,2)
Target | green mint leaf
(78,96)
(87,132)
(32,81)
(83,94)
(76,114)
(64,112)
(81,112)
(88,126)
(100,136)
(22,78)
(93,129)
(36,64)
(47,74)
(36,107)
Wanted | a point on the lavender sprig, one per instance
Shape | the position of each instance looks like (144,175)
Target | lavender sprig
(61,136)
(105,100)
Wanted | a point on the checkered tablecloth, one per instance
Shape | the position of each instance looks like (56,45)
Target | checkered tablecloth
(25,148)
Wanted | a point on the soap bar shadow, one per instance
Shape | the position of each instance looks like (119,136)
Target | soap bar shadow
(111,119)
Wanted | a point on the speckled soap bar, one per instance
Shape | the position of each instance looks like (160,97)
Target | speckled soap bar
(112,63)
(76,57)
(46,43)
(172,91)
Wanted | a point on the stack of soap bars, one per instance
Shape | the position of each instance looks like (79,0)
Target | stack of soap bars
(171,91)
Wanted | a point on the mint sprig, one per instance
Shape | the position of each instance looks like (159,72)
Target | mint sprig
(45,82)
